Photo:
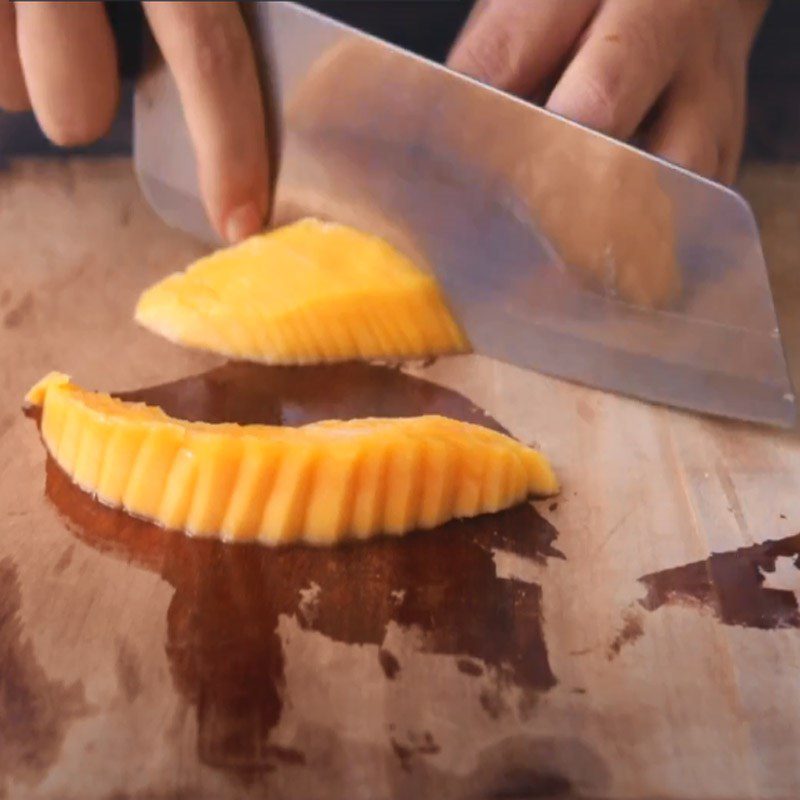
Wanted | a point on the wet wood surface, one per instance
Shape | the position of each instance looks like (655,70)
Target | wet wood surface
(637,637)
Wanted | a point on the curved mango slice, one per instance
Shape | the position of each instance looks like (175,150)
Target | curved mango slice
(306,293)
(319,483)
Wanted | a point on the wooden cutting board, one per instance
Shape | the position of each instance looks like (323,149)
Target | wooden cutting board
(638,637)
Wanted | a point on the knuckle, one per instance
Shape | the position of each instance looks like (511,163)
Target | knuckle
(645,41)
(216,47)
(488,57)
(601,98)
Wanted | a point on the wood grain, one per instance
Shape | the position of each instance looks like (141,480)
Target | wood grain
(638,637)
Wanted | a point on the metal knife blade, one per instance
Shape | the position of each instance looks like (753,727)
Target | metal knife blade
(560,249)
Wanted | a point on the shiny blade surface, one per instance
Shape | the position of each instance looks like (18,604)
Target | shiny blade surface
(560,249)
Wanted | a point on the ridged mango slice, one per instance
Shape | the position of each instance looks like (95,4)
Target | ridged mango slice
(306,293)
(319,483)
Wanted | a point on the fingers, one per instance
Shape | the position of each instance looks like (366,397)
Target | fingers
(629,54)
(69,60)
(731,146)
(517,46)
(685,134)
(701,120)
(13,94)
(208,50)
(701,125)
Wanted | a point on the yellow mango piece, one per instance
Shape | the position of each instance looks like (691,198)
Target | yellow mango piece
(306,293)
(319,483)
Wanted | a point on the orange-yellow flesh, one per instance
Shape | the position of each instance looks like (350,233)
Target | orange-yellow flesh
(306,293)
(319,483)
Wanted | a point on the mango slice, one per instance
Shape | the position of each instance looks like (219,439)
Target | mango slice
(319,483)
(307,293)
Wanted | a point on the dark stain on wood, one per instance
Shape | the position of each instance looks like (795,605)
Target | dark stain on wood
(469,667)
(19,313)
(65,559)
(403,754)
(168,794)
(428,746)
(527,785)
(287,755)
(389,663)
(731,585)
(128,671)
(631,630)
(35,710)
(493,702)
(6,423)
(223,643)
(524,767)
(415,746)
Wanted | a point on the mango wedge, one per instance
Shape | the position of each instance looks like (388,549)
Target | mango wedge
(320,483)
(307,293)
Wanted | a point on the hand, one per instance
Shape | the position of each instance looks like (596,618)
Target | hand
(59,58)
(670,72)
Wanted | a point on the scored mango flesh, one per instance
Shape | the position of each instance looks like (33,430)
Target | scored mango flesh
(319,483)
(306,293)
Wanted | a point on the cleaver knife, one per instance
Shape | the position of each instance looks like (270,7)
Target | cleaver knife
(559,249)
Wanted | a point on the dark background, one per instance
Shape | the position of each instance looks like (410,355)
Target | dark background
(429,27)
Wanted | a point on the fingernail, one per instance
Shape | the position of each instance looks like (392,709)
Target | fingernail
(242,222)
